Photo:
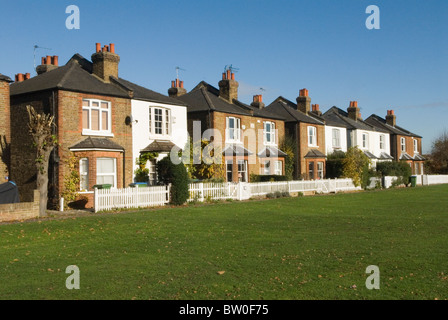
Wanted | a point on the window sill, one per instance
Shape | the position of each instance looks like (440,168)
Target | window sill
(97,133)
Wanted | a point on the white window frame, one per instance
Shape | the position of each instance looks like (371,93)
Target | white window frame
(152,174)
(269,133)
(83,175)
(89,131)
(403,144)
(229,163)
(243,172)
(320,170)
(266,167)
(236,130)
(365,142)
(312,136)
(415,146)
(114,174)
(382,141)
(278,169)
(336,138)
(165,121)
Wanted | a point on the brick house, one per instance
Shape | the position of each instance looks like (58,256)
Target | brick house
(249,135)
(405,145)
(305,125)
(373,140)
(92,107)
(5,128)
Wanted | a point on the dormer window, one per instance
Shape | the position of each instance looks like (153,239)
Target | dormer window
(96,117)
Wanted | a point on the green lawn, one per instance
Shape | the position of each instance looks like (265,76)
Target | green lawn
(292,248)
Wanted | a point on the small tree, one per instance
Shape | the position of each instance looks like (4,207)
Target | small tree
(289,146)
(335,165)
(355,165)
(177,176)
(41,130)
(71,182)
(211,165)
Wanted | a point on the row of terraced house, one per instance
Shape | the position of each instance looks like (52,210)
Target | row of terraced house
(106,122)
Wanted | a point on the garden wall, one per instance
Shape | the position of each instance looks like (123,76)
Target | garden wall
(20,211)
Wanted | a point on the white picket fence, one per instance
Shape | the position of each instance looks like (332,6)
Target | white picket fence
(434,179)
(109,199)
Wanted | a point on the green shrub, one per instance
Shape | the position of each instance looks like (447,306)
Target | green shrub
(399,169)
(177,176)
(267,178)
(334,166)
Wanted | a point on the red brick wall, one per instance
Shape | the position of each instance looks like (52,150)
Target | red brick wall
(303,148)
(5,130)
(252,137)
(69,128)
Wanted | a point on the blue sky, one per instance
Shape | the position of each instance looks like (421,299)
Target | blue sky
(280,46)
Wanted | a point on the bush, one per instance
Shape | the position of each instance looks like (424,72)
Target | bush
(177,176)
(399,169)
(334,166)
(267,178)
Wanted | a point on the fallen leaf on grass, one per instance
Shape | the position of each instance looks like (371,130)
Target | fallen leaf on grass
(221,272)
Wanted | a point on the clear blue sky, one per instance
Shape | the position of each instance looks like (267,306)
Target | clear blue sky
(280,46)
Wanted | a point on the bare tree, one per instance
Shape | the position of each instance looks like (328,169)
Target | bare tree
(439,154)
(41,130)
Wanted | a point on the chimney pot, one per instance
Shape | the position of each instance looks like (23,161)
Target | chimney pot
(112,47)
(98,47)
(19,77)
(55,61)
(48,60)
(228,75)
(232,76)
(43,60)
(173,84)
(104,49)
(181,84)
(27,76)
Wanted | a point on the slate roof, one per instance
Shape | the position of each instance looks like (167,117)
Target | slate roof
(385,156)
(205,97)
(97,144)
(159,146)
(314,153)
(5,78)
(288,110)
(270,151)
(381,122)
(370,155)
(76,75)
(339,118)
(236,150)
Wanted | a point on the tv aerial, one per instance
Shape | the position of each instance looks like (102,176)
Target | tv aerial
(34,53)
(177,71)
(231,68)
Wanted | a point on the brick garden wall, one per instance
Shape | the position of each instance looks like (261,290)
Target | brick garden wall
(20,211)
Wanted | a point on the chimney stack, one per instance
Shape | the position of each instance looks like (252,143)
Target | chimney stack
(304,101)
(258,101)
(228,87)
(391,118)
(315,109)
(353,111)
(177,88)
(48,63)
(105,62)
(5,124)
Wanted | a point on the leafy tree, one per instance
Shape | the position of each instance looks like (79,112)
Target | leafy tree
(289,146)
(211,165)
(41,130)
(142,173)
(71,182)
(355,165)
(439,154)
(399,169)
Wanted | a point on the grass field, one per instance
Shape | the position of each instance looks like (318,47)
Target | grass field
(291,248)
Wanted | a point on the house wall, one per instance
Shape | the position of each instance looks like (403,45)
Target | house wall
(304,148)
(251,138)
(396,151)
(140,129)
(329,148)
(373,143)
(5,131)
(68,109)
